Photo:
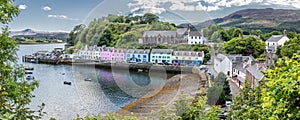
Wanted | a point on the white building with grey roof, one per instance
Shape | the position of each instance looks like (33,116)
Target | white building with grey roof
(274,41)
(195,37)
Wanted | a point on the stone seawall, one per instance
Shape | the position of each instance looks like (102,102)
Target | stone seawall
(128,66)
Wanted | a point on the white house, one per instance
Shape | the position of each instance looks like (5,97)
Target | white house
(195,37)
(89,53)
(275,41)
(222,64)
(226,63)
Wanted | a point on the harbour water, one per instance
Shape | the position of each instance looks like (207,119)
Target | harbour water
(108,90)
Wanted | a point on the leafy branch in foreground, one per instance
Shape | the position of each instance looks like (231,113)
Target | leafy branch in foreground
(15,91)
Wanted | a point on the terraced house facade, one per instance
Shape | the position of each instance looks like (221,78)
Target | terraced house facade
(161,56)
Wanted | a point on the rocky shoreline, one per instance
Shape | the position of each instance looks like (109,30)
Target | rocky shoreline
(188,84)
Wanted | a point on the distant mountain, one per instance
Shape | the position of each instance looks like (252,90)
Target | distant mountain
(28,33)
(265,19)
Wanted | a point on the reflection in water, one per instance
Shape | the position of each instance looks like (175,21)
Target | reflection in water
(102,94)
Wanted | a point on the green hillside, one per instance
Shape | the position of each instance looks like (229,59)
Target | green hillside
(116,31)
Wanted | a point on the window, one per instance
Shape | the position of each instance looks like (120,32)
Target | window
(128,55)
(192,42)
(144,56)
(153,56)
(168,57)
(192,37)
(159,57)
(139,56)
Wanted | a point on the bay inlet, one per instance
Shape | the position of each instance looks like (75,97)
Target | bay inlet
(104,93)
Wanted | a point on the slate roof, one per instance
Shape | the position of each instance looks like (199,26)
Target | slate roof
(162,33)
(256,72)
(181,31)
(187,53)
(240,68)
(220,57)
(161,51)
(138,51)
(275,38)
(195,33)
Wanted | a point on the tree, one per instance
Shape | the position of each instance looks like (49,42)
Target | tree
(7,11)
(220,92)
(245,46)
(281,97)
(201,111)
(15,91)
(289,48)
(149,18)
(204,48)
(247,104)
(277,97)
(238,32)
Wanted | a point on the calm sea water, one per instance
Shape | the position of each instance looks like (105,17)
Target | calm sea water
(109,89)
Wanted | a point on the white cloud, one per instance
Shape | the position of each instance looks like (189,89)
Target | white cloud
(64,17)
(159,6)
(22,7)
(46,8)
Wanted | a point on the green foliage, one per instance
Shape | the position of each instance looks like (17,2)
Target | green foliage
(266,36)
(205,48)
(215,95)
(201,111)
(149,18)
(289,48)
(247,104)
(7,11)
(220,91)
(276,98)
(108,116)
(281,96)
(116,31)
(245,46)
(15,91)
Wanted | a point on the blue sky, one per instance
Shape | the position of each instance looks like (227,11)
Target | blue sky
(63,15)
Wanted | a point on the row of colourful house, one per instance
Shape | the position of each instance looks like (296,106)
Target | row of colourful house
(160,56)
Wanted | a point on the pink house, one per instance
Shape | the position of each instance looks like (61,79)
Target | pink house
(106,53)
(118,55)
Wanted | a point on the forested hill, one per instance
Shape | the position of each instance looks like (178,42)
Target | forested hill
(116,31)
(266,20)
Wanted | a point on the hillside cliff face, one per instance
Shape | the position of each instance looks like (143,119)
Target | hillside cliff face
(266,19)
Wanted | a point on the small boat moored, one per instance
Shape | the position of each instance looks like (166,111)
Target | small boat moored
(67,83)
(28,72)
(29,68)
(87,79)
(140,70)
(29,77)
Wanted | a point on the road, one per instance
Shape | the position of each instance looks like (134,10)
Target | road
(234,89)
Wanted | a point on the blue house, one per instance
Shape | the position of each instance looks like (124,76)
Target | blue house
(137,55)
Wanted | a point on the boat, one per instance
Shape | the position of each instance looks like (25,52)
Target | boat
(87,79)
(29,77)
(67,83)
(28,72)
(140,70)
(29,68)
(33,61)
